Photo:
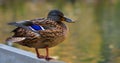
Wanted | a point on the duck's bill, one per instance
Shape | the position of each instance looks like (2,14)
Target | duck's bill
(68,20)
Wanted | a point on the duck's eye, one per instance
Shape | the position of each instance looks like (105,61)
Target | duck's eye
(62,19)
(36,27)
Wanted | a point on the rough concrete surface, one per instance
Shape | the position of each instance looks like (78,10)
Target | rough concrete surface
(10,54)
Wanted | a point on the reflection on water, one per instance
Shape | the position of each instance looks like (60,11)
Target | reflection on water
(94,38)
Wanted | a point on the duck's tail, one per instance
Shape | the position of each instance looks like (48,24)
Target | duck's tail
(15,39)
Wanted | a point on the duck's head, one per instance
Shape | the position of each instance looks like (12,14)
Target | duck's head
(58,16)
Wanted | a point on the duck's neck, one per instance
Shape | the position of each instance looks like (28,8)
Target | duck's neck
(54,18)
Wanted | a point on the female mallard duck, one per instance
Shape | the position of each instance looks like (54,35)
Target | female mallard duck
(41,32)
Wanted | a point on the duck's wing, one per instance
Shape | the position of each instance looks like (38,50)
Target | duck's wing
(23,24)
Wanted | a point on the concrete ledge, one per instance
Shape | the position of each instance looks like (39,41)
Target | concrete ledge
(13,55)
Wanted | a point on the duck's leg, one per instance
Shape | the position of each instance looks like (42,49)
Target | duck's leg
(38,55)
(47,54)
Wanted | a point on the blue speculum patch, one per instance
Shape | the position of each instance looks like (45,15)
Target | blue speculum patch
(37,27)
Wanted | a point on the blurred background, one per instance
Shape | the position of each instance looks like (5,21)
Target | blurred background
(93,38)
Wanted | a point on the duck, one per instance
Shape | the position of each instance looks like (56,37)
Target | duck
(41,33)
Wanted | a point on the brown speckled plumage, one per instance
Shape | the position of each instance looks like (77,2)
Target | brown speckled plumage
(53,34)
(55,31)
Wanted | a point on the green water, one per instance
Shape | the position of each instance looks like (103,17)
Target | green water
(93,38)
